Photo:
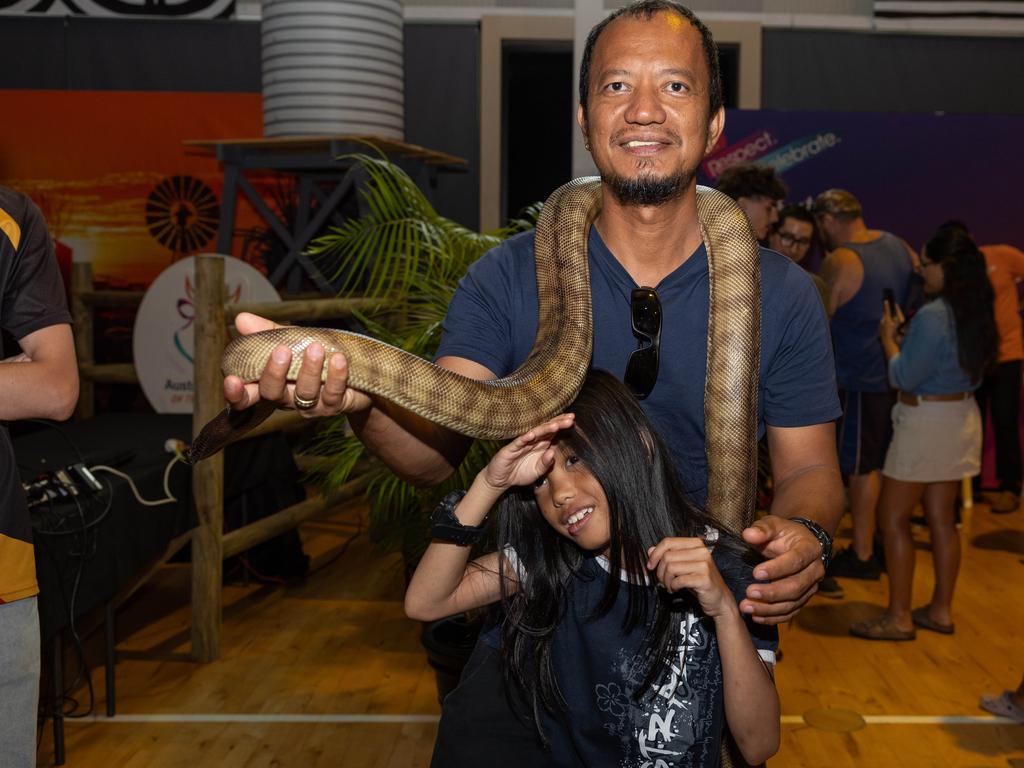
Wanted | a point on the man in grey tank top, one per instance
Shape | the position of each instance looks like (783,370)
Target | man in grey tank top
(863,267)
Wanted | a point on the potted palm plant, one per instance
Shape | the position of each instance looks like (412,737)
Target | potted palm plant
(404,252)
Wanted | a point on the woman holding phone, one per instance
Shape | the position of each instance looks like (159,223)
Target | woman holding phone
(950,343)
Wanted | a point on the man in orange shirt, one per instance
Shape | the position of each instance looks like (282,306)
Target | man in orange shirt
(1001,390)
(40,381)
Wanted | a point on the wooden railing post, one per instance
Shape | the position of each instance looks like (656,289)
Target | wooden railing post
(81,314)
(208,475)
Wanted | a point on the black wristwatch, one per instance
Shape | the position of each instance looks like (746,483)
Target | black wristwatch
(819,533)
(446,526)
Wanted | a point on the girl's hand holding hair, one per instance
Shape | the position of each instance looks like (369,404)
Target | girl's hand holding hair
(527,458)
(686,563)
(751,703)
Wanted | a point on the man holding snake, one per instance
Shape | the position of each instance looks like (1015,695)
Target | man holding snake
(650,110)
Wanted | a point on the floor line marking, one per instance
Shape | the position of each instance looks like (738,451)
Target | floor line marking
(257,718)
(385,719)
(918,720)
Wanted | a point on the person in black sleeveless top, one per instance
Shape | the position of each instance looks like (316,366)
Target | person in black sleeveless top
(862,268)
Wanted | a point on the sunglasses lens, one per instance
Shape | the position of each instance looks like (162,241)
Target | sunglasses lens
(642,371)
(646,309)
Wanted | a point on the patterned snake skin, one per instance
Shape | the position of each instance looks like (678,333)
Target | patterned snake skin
(554,371)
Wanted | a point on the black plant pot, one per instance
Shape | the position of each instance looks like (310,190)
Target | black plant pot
(449,643)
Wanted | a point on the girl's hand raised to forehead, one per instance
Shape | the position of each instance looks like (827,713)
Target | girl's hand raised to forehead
(526,458)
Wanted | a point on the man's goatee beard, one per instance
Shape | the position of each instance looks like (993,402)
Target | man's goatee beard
(647,190)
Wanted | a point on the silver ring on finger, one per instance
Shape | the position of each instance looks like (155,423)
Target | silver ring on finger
(303,404)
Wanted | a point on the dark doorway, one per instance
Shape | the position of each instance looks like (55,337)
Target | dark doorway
(538,120)
(729,63)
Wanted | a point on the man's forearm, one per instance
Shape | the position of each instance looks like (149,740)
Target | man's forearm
(37,390)
(418,451)
(814,492)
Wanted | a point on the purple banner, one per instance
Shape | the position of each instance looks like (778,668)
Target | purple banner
(911,172)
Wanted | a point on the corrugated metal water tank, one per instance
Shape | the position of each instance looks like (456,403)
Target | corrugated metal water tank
(333,67)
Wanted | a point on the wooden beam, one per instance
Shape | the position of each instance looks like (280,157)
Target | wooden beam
(208,475)
(285,311)
(93,298)
(81,314)
(115,373)
(267,528)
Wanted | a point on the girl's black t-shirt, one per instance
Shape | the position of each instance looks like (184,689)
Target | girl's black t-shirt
(599,668)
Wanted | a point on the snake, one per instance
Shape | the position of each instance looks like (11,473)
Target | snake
(553,373)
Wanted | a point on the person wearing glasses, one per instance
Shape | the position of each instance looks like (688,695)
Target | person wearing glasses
(650,109)
(862,267)
(950,344)
(758,190)
(793,236)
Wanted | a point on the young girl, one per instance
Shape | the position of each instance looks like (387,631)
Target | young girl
(622,639)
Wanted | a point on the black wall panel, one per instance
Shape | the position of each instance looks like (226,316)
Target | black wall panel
(129,54)
(857,71)
(442,108)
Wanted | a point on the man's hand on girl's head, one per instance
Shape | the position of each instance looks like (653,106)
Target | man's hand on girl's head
(793,569)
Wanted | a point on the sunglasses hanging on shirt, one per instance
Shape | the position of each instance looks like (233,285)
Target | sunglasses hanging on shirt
(642,367)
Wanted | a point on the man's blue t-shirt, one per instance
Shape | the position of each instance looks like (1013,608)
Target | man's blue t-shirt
(492,320)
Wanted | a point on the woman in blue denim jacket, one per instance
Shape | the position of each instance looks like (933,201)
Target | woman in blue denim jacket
(950,343)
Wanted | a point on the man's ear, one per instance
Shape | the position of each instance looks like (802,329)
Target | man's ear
(581,121)
(715,127)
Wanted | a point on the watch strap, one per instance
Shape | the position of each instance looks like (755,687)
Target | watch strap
(821,535)
(447,527)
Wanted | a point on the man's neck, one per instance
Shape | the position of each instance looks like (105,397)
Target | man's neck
(859,233)
(650,242)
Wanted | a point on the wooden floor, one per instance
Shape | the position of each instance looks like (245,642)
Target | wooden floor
(332,674)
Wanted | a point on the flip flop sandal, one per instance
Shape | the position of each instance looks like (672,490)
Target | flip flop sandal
(1003,706)
(923,620)
(880,629)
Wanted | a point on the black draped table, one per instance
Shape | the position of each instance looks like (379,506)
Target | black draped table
(86,554)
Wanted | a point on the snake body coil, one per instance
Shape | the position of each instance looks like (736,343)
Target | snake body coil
(554,371)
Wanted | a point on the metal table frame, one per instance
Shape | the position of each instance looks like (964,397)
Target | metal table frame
(325,178)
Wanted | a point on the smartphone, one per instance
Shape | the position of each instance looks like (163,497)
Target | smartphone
(887,295)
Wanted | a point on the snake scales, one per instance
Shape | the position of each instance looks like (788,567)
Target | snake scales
(554,371)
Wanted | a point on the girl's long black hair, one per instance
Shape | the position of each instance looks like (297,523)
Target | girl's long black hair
(616,443)
(967,289)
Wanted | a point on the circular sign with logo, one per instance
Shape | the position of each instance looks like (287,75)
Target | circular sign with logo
(162,341)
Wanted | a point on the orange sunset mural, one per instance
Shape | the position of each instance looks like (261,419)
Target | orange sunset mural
(117,184)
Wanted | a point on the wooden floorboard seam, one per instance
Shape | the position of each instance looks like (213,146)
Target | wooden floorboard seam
(342,718)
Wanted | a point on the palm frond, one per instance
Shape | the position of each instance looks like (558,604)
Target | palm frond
(401,248)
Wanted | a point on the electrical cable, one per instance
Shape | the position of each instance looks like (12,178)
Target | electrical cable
(169,497)
(65,435)
(88,526)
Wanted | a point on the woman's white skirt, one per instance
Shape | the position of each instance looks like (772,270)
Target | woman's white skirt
(934,441)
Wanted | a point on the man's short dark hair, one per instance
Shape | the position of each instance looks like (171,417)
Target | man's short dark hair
(839,203)
(647,9)
(953,224)
(798,212)
(748,180)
